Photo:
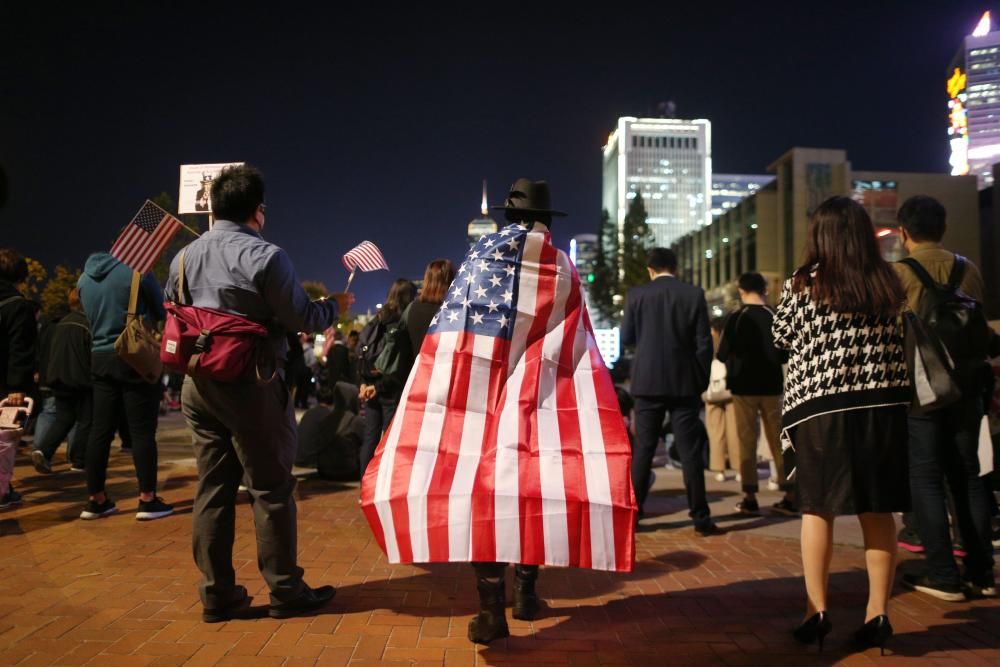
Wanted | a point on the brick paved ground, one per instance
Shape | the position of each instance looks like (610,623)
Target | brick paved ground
(119,592)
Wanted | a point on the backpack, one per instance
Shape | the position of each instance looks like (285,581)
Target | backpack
(371,341)
(954,319)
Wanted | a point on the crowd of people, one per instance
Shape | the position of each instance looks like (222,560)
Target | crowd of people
(824,379)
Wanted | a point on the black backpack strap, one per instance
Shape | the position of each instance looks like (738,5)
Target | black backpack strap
(920,272)
(957,273)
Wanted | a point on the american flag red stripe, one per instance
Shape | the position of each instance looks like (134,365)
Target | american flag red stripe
(145,237)
(365,256)
(507,447)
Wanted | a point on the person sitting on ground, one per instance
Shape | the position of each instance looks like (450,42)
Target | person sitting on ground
(330,433)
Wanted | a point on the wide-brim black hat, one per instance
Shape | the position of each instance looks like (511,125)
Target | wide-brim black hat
(529,196)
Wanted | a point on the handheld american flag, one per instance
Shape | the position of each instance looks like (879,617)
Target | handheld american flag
(508,444)
(365,256)
(142,241)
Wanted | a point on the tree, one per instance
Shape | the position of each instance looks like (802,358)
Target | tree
(636,238)
(315,289)
(55,295)
(35,281)
(605,285)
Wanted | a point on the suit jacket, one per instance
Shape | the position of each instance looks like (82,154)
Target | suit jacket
(667,322)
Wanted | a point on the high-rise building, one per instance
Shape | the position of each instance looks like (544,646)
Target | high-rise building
(479,227)
(669,162)
(729,189)
(583,254)
(973,86)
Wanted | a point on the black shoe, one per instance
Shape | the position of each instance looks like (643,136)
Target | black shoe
(923,584)
(982,588)
(814,630)
(785,507)
(748,507)
(153,509)
(42,464)
(310,600)
(707,529)
(875,632)
(526,603)
(491,622)
(236,608)
(11,498)
(909,540)
(96,510)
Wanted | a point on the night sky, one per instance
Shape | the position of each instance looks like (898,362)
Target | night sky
(376,123)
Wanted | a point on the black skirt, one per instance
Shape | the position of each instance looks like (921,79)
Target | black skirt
(853,461)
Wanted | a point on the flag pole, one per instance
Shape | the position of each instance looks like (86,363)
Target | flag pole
(188,228)
(349,279)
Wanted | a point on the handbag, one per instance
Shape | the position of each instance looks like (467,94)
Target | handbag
(137,345)
(717,393)
(209,343)
(932,371)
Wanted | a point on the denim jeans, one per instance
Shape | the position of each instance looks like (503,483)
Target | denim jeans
(67,415)
(944,446)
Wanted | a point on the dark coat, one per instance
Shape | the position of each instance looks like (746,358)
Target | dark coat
(18,341)
(67,355)
(667,322)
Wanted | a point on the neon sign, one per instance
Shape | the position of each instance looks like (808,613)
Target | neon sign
(958,123)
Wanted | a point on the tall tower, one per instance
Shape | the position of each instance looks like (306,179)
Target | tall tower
(973,87)
(483,225)
(669,162)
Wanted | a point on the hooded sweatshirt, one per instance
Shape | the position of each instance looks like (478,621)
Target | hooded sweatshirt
(104,291)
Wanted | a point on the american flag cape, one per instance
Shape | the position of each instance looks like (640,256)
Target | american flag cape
(508,444)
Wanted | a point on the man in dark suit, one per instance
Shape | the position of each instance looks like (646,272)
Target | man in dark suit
(667,322)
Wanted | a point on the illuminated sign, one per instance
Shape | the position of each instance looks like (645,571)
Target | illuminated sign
(958,124)
(956,83)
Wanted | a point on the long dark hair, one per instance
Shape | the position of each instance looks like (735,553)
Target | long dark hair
(843,267)
(400,295)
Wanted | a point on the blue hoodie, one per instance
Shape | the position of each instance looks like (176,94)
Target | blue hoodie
(104,291)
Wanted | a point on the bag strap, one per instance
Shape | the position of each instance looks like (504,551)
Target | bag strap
(921,273)
(957,273)
(180,278)
(133,297)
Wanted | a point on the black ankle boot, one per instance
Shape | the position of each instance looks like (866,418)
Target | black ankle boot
(526,603)
(491,621)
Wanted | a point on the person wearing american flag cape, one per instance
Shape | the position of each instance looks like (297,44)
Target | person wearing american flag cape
(508,445)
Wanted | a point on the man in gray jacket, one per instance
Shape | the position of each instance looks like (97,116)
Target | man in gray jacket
(244,430)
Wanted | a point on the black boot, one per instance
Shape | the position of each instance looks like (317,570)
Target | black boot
(526,602)
(491,622)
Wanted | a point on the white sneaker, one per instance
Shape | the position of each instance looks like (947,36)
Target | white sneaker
(243,489)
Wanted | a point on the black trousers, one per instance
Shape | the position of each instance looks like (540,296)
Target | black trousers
(944,446)
(72,409)
(118,390)
(691,440)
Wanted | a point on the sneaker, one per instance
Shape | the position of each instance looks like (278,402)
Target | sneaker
(909,541)
(153,509)
(41,463)
(10,499)
(96,510)
(310,600)
(707,530)
(785,507)
(923,584)
(76,469)
(988,589)
(747,506)
(958,551)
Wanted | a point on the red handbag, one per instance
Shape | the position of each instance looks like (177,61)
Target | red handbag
(209,343)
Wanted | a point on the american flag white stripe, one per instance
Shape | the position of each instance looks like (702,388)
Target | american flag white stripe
(365,256)
(427,443)
(145,237)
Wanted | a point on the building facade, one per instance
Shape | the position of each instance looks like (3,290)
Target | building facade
(669,162)
(973,86)
(767,232)
(729,189)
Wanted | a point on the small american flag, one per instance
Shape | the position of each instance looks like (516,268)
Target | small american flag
(365,256)
(145,237)
(508,444)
